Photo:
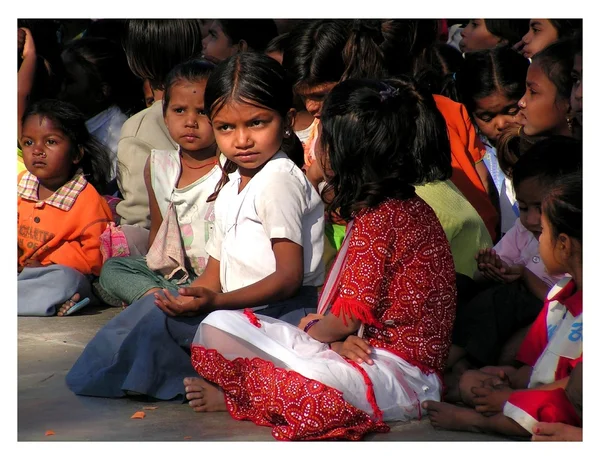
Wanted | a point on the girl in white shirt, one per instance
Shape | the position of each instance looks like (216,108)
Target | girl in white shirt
(268,238)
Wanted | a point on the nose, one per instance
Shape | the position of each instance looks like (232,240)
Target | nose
(526,38)
(533,217)
(204,42)
(191,121)
(313,107)
(243,140)
(502,123)
(462,32)
(521,103)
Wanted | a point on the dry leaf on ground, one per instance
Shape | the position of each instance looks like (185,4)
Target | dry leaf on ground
(139,414)
(150,407)
(50,433)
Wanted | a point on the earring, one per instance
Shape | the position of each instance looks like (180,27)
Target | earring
(287,132)
(570,123)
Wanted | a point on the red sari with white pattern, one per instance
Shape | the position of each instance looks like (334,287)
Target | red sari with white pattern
(396,274)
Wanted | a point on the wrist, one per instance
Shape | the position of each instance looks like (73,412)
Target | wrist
(310,324)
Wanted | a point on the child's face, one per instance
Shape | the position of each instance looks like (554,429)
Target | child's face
(577,91)
(494,113)
(529,198)
(46,151)
(547,249)
(314,96)
(475,36)
(541,34)
(542,111)
(185,118)
(248,135)
(216,46)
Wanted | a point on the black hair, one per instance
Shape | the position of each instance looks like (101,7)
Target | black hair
(194,70)
(154,46)
(566,28)
(332,50)
(381,138)
(257,33)
(252,78)
(556,61)
(278,44)
(439,69)
(511,30)
(95,163)
(547,160)
(106,65)
(486,72)
(563,206)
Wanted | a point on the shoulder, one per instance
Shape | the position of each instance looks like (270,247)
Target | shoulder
(281,172)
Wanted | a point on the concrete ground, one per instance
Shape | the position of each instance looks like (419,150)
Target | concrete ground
(47,348)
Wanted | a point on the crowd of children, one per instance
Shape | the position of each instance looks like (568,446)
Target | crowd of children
(317,225)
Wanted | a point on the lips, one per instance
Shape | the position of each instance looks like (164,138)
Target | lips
(246,155)
(38,163)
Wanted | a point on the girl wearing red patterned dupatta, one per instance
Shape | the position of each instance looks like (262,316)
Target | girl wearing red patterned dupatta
(393,284)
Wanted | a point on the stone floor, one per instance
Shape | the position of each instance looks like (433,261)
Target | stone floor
(47,347)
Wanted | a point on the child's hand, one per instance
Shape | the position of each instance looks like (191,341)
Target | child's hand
(490,400)
(308,318)
(489,264)
(28,46)
(511,273)
(355,348)
(190,301)
(543,431)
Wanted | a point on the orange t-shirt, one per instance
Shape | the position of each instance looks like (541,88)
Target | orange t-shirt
(65,229)
(467,150)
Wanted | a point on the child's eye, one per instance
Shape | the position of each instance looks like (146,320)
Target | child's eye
(224,128)
(201,112)
(51,142)
(28,143)
(485,118)
(257,123)
(178,110)
(513,111)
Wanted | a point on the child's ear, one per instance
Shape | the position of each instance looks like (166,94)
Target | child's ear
(290,118)
(242,45)
(79,156)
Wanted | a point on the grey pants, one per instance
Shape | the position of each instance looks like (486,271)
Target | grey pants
(42,289)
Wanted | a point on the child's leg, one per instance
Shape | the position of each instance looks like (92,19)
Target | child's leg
(204,396)
(41,290)
(129,279)
(450,417)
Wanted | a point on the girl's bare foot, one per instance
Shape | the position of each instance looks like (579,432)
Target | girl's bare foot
(203,396)
(68,304)
(450,417)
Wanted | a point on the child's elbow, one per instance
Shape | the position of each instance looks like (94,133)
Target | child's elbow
(291,284)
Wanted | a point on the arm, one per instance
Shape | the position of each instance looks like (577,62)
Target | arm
(488,184)
(155,214)
(82,251)
(280,285)
(332,328)
(535,285)
(25,77)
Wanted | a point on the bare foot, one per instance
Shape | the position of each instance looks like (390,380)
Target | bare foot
(68,304)
(450,417)
(556,432)
(203,396)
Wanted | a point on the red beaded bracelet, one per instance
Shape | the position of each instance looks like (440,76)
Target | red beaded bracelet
(310,324)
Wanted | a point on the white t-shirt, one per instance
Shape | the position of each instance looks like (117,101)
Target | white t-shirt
(278,202)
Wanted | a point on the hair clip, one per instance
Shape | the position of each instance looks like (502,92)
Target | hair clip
(388,92)
(454,76)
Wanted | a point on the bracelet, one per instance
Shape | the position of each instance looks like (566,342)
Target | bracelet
(310,324)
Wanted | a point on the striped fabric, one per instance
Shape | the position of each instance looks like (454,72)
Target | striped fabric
(64,198)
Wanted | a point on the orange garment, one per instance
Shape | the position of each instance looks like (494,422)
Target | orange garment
(64,234)
(467,150)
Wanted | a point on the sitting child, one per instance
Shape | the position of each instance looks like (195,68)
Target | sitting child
(520,278)
(60,211)
(393,280)
(509,400)
(179,183)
